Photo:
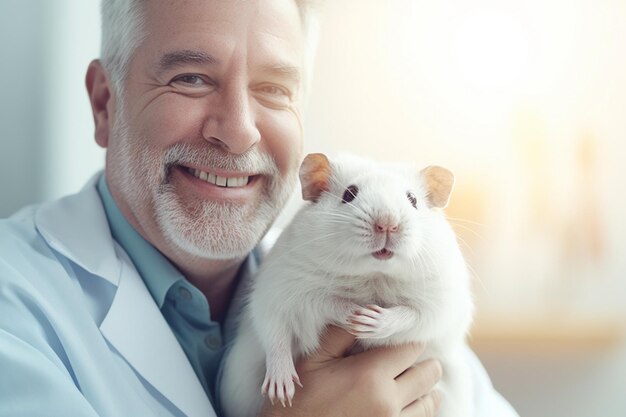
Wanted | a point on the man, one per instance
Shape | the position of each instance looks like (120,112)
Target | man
(119,300)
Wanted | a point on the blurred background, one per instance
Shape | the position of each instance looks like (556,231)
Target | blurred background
(524,101)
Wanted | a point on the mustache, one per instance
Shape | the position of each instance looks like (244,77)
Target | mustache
(253,161)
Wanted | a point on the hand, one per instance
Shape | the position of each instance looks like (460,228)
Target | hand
(381,382)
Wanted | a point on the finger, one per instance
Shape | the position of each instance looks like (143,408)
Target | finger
(359,328)
(392,360)
(335,343)
(271,392)
(375,307)
(362,320)
(418,380)
(427,406)
(367,312)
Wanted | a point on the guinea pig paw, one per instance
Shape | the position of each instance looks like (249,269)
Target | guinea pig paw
(280,386)
(369,322)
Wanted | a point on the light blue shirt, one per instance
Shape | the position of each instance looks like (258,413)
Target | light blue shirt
(184,307)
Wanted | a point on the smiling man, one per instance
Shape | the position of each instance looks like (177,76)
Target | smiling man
(204,135)
(121,300)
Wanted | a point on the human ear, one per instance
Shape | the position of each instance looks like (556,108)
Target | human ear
(99,91)
(314,176)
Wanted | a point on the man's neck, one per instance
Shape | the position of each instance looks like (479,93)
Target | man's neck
(216,279)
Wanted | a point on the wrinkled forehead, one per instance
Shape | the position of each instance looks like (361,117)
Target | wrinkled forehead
(270,27)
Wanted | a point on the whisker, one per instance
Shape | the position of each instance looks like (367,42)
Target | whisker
(291,249)
(475,276)
(475,233)
(470,248)
(466,221)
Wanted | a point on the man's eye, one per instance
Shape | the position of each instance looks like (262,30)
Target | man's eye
(273,95)
(190,79)
(274,90)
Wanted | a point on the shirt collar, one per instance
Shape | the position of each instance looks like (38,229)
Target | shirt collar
(157,272)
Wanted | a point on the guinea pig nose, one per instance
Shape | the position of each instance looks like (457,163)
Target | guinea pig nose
(382,227)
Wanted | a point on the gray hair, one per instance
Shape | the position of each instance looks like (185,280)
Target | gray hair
(123,31)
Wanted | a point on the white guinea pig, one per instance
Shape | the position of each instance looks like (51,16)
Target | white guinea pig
(370,251)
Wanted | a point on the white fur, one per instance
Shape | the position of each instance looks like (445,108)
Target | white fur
(321,272)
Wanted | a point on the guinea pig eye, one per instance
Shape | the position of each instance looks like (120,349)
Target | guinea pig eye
(412,199)
(350,194)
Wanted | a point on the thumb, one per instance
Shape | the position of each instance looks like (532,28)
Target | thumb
(336,343)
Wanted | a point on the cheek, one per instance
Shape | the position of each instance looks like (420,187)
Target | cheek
(281,134)
(169,120)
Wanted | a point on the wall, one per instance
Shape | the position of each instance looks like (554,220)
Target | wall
(46,143)
(21,106)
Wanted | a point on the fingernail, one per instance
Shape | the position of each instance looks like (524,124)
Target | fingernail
(436,396)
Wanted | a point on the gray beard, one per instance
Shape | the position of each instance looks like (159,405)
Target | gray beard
(209,230)
(215,230)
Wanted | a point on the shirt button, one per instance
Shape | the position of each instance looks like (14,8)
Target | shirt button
(184,293)
(212,342)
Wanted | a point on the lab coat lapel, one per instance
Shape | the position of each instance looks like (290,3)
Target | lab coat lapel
(77,228)
(137,329)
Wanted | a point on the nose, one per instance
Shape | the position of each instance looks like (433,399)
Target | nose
(232,124)
(386,226)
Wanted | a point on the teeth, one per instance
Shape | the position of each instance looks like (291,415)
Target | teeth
(220,181)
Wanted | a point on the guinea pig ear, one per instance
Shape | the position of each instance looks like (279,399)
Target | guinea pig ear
(439,182)
(314,176)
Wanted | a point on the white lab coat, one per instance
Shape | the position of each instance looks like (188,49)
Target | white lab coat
(80,334)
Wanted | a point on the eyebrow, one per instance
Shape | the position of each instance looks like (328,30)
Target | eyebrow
(179,58)
(284,71)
